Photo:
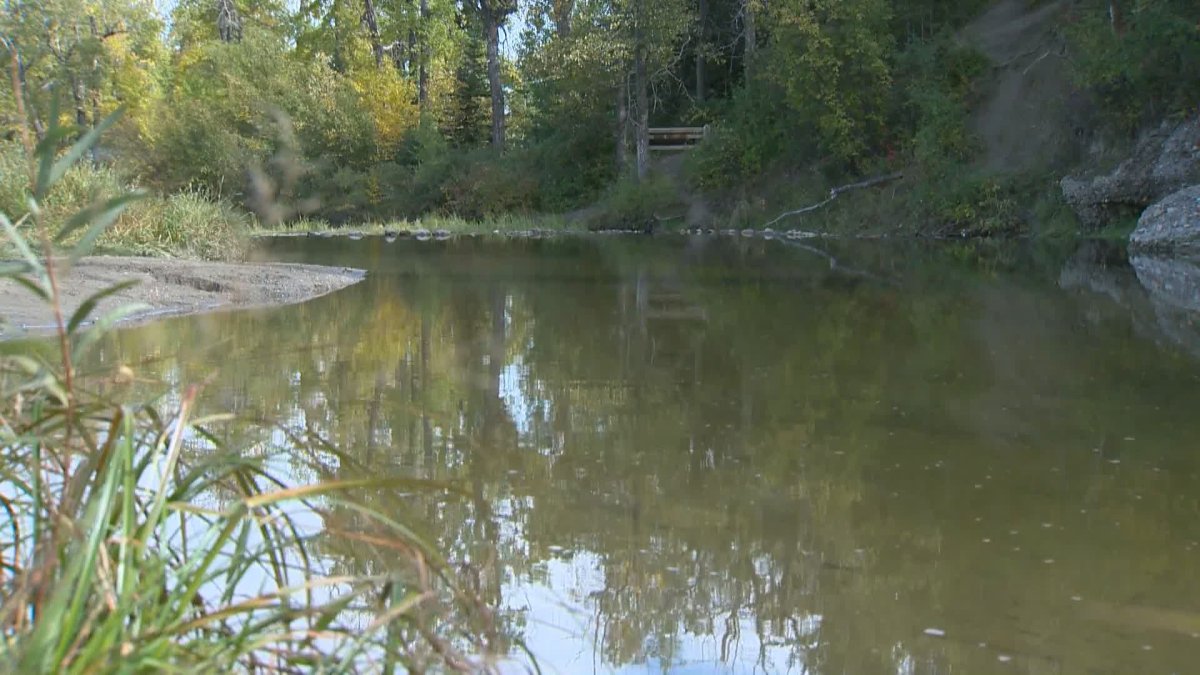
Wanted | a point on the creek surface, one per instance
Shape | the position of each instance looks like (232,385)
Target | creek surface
(736,456)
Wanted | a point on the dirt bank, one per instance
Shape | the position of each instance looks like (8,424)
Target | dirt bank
(170,287)
(1030,109)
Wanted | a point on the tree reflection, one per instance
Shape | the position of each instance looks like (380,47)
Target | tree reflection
(792,466)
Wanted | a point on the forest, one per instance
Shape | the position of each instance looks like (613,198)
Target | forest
(344,111)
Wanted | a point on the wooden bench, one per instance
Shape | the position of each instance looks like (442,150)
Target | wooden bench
(675,138)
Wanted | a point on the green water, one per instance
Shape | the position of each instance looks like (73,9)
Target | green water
(714,456)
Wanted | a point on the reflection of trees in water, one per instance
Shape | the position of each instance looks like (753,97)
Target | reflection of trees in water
(774,448)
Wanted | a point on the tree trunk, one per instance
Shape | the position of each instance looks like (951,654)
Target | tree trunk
(751,36)
(1116,17)
(562,17)
(79,98)
(642,128)
(423,58)
(229,24)
(701,50)
(371,23)
(622,157)
(491,25)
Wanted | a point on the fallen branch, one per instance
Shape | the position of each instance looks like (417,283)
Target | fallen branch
(837,266)
(833,194)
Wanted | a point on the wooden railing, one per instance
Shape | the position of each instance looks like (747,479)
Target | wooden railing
(675,138)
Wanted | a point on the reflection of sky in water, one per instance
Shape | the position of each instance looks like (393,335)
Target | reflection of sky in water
(850,473)
(561,628)
(559,607)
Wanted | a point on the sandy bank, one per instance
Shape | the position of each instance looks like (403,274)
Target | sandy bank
(171,287)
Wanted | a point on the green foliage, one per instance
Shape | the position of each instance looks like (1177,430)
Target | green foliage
(639,205)
(973,205)
(312,113)
(935,80)
(1143,68)
(136,536)
(747,140)
(831,59)
(190,223)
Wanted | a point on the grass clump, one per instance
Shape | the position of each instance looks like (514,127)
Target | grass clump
(500,224)
(638,205)
(137,536)
(188,224)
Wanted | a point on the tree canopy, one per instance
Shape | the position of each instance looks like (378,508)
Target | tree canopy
(390,108)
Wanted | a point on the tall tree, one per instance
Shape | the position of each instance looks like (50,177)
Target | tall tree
(494,14)
(749,37)
(562,10)
(701,48)
(371,23)
(422,37)
(229,22)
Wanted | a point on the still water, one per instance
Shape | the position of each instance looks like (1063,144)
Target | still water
(746,456)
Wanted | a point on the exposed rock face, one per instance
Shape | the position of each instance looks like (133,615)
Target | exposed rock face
(1164,162)
(1171,225)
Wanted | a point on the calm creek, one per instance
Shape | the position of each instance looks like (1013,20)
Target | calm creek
(723,455)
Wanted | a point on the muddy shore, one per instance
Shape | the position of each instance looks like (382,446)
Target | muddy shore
(169,287)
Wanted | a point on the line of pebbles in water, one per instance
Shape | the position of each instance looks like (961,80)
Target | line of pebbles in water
(441,235)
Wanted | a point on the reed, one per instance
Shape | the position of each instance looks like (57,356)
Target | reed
(135,536)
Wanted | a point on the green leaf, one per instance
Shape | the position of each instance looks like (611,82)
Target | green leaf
(86,307)
(107,215)
(98,212)
(33,287)
(87,339)
(46,179)
(12,269)
(19,242)
(47,148)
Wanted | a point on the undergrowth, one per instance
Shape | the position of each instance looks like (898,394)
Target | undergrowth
(138,537)
(190,223)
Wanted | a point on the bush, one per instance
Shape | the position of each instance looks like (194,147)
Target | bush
(188,224)
(935,81)
(631,204)
(1145,69)
(750,137)
(975,205)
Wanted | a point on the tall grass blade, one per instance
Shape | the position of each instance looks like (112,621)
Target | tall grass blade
(96,219)
(47,177)
(85,308)
(85,340)
(20,244)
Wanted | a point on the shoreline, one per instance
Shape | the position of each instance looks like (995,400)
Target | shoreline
(169,287)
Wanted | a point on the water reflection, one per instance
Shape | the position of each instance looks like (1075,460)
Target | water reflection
(714,456)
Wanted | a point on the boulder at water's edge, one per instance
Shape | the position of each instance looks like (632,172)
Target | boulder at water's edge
(1171,224)
(1165,160)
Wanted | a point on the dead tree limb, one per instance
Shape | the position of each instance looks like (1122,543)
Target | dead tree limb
(833,194)
(837,266)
